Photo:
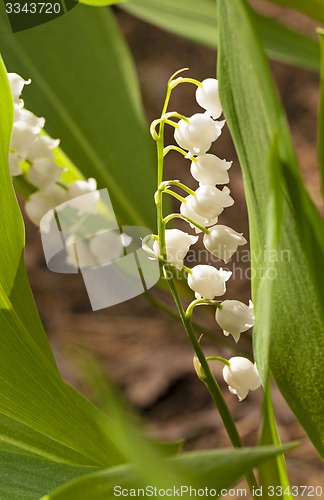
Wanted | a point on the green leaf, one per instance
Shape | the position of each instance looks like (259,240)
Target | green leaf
(313,8)
(212,469)
(84,84)
(274,472)
(197,21)
(101,3)
(23,477)
(294,347)
(320,138)
(63,424)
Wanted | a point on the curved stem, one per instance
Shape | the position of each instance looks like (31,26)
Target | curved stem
(178,184)
(201,302)
(187,219)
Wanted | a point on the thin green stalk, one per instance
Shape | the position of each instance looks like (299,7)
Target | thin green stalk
(210,382)
(208,378)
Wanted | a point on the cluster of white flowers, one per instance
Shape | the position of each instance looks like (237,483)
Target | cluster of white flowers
(31,147)
(201,209)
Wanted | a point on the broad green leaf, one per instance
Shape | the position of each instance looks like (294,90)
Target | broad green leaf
(23,477)
(85,86)
(197,21)
(212,469)
(320,138)
(32,392)
(313,8)
(294,349)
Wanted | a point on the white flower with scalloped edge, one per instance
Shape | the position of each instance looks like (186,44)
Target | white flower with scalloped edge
(207,281)
(43,173)
(83,196)
(241,376)
(209,202)
(186,210)
(39,203)
(223,241)
(235,317)
(17,84)
(177,245)
(42,148)
(210,170)
(197,135)
(207,96)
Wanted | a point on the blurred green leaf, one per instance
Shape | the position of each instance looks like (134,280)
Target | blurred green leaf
(23,477)
(197,21)
(274,472)
(212,469)
(313,8)
(101,3)
(294,349)
(84,84)
(320,138)
(63,424)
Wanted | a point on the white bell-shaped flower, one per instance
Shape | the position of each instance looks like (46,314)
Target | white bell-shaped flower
(235,317)
(36,123)
(107,247)
(177,245)
(22,139)
(39,203)
(207,97)
(209,201)
(43,148)
(197,135)
(17,84)
(210,170)
(223,241)
(43,173)
(84,204)
(207,281)
(79,255)
(186,210)
(241,376)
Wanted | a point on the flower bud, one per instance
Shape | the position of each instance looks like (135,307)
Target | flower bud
(43,173)
(234,317)
(241,376)
(209,169)
(209,201)
(207,97)
(222,242)
(198,369)
(17,84)
(197,135)
(177,245)
(207,281)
